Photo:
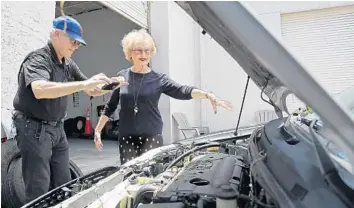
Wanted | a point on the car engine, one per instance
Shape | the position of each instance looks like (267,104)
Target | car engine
(219,178)
(212,180)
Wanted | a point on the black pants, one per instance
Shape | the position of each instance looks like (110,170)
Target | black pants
(45,155)
(131,147)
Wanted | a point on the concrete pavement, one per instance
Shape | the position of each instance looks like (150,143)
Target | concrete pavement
(88,158)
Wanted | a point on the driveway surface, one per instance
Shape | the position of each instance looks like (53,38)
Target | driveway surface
(88,158)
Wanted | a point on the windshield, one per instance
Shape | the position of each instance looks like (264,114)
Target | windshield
(346,99)
(345,168)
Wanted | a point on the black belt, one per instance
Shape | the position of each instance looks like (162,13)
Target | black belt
(22,115)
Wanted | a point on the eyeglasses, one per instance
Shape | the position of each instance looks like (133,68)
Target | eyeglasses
(140,51)
(75,42)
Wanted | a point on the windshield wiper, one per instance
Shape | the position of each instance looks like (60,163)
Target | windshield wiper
(328,169)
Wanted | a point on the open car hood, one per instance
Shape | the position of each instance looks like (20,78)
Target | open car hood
(269,63)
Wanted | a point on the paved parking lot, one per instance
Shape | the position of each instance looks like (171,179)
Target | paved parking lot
(88,158)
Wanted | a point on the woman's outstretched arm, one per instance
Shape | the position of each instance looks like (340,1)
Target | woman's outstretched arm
(108,110)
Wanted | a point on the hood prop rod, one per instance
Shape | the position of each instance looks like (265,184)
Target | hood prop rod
(243,101)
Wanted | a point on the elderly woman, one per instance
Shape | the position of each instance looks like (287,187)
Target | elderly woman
(140,124)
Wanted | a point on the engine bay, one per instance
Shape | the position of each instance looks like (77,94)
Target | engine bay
(208,174)
(263,170)
(210,177)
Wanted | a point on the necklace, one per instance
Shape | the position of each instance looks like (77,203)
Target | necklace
(136,108)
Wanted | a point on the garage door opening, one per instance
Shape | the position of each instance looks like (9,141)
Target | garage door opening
(104,28)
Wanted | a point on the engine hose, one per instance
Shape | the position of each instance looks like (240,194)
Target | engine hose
(255,200)
(190,152)
(141,192)
(200,203)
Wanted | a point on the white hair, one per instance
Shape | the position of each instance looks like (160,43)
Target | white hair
(134,37)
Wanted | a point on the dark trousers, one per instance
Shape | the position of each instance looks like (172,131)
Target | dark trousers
(131,147)
(45,155)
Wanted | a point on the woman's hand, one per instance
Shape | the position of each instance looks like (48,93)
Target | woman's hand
(121,81)
(96,80)
(98,142)
(215,102)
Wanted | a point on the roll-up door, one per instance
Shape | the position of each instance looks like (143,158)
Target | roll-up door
(324,40)
(136,11)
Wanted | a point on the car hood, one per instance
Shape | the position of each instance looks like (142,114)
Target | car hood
(269,63)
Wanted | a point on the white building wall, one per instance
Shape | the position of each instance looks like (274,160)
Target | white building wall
(25,26)
(230,82)
(161,62)
(222,75)
(177,40)
(184,63)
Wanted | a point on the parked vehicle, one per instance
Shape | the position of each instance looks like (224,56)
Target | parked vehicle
(3,134)
(292,161)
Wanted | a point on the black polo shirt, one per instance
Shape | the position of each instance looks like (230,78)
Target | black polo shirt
(43,64)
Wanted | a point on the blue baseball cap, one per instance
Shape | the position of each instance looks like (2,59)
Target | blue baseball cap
(73,28)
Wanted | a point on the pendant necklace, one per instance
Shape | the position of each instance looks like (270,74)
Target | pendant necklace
(136,109)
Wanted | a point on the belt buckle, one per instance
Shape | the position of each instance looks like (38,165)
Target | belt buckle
(52,123)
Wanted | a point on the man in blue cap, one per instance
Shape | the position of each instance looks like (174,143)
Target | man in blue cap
(47,75)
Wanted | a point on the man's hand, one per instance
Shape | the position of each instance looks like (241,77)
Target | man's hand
(98,142)
(95,81)
(96,92)
(217,102)
(120,79)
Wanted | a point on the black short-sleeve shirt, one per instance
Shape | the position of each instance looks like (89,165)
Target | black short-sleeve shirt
(43,64)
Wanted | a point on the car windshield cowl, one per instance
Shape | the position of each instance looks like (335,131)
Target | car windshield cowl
(329,138)
(326,136)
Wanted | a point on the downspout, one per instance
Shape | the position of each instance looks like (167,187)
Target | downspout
(148,14)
